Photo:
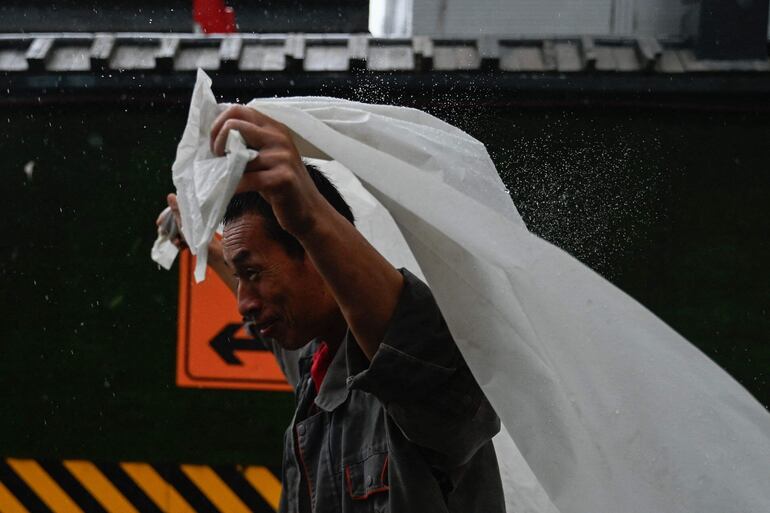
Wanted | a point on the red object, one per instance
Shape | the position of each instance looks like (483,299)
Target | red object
(322,358)
(214,17)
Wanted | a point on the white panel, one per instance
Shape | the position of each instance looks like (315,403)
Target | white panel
(623,17)
(542,18)
(390,18)
(661,18)
(13,60)
(512,17)
(70,58)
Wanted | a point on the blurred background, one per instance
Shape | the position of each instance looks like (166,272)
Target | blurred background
(632,133)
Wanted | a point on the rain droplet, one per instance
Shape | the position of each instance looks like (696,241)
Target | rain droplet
(29,169)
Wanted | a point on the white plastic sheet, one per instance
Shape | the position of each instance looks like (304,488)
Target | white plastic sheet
(201,179)
(604,407)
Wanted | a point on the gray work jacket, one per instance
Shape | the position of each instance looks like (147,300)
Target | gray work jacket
(409,432)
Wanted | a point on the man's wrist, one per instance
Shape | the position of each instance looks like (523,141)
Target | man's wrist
(317,225)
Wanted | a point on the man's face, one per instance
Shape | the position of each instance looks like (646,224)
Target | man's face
(283,296)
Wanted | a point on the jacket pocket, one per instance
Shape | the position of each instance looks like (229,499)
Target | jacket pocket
(368,479)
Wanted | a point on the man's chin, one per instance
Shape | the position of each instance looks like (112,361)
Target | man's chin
(291,344)
(278,336)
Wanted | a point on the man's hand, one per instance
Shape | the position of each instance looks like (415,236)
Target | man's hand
(178,240)
(215,260)
(277,173)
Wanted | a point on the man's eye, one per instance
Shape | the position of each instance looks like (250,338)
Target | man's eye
(248,275)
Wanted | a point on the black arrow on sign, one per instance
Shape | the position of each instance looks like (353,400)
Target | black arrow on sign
(225,344)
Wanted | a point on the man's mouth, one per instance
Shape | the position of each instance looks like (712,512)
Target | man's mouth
(267,329)
(264,328)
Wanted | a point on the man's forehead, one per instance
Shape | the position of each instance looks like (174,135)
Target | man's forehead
(242,255)
(243,237)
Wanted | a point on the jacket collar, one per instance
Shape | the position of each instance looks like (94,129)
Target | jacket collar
(334,390)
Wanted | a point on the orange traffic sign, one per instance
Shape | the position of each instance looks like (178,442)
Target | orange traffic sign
(213,350)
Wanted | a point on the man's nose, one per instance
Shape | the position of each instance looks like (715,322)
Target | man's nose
(249,303)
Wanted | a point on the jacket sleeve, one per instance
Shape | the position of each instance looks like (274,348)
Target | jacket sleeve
(423,381)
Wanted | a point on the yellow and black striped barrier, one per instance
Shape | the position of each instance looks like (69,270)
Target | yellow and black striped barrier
(79,486)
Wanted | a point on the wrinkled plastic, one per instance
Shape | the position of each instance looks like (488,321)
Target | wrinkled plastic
(605,408)
(372,219)
(202,179)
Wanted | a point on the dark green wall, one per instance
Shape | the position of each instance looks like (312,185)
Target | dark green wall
(672,206)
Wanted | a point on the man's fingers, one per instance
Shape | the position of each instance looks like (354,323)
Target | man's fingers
(267,159)
(255,136)
(171,201)
(179,242)
(242,113)
(255,182)
(232,112)
(173,205)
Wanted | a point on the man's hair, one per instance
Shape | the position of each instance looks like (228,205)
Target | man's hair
(254,203)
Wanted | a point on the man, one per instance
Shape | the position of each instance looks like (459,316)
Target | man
(389,417)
